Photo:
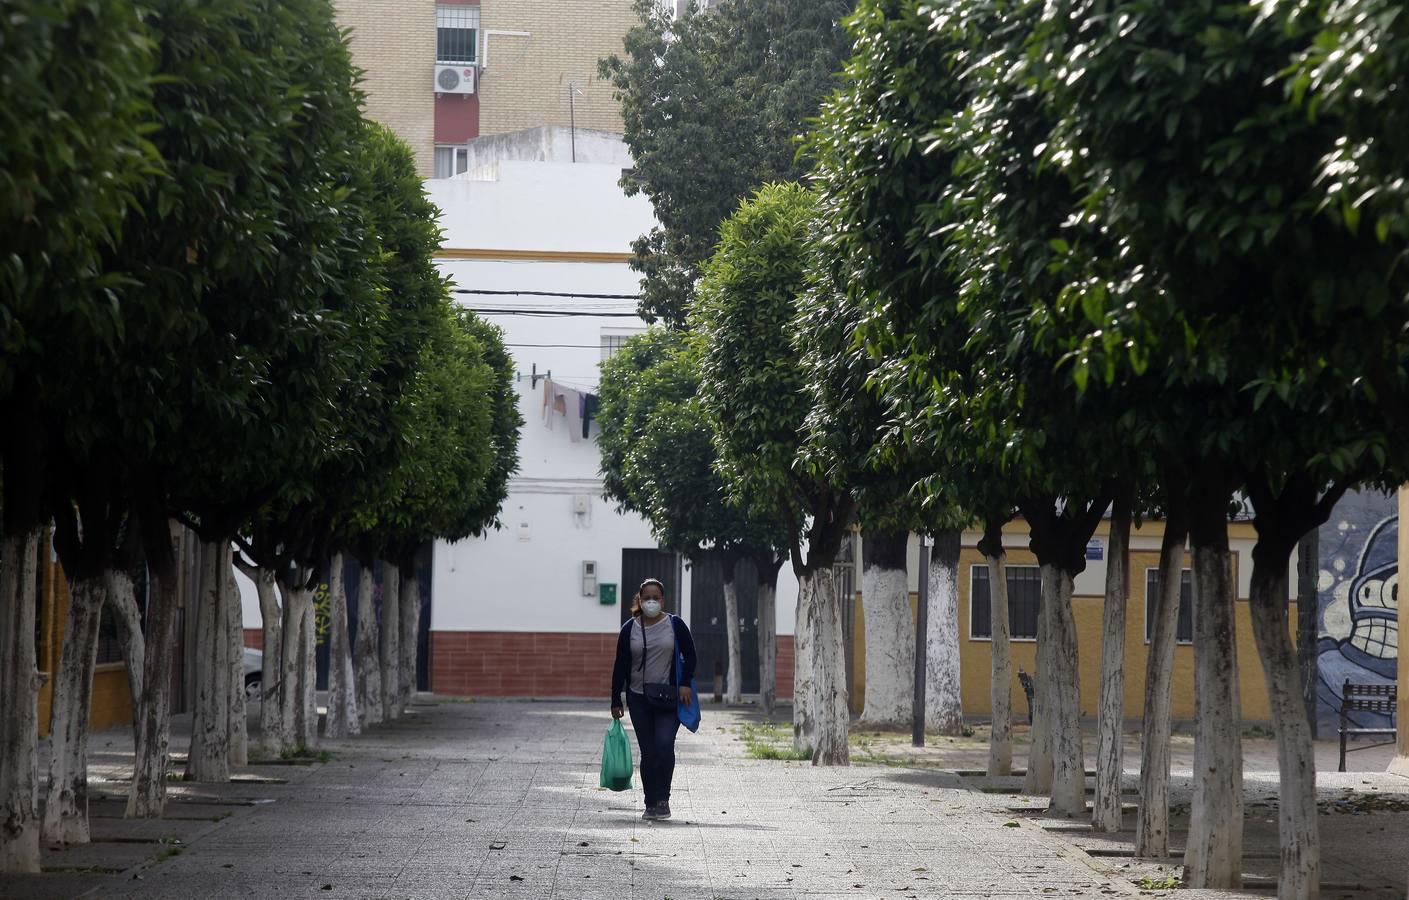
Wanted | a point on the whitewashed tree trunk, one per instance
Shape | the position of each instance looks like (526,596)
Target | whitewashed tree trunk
(832,712)
(290,692)
(1000,740)
(944,708)
(147,798)
(1110,752)
(66,788)
(366,664)
(1064,701)
(410,623)
(306,713)
(391,641)
(208,759)
(19,713)
(1300,877)
(734,679)
(1152,823)
(271,738)
(890,632)
(804,696)
(342,702)
(1038,779)
(123,603)
(239,719)
(1213,856)
(767,636)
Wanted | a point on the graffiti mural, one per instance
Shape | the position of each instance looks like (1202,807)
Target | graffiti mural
(1358,602)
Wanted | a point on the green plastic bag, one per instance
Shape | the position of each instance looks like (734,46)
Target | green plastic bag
(616,759)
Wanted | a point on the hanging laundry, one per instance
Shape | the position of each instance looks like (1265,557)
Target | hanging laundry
(556,402)
(572,401)
(591,404)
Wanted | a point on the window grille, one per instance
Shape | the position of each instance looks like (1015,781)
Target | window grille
(612,343)
(1184,632)
(457,35)
(1024,602)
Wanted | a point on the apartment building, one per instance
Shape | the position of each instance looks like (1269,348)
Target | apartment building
(440,74)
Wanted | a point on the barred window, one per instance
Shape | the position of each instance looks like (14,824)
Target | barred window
(1024,602)
(457,35)
(1184,632)
(614,340)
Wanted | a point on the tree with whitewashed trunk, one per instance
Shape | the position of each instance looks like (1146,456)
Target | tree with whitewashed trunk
(1152,818)
(339,496)
(462,424)
(1107,810)
(389,653)
(367,670)
(1309,214)
(163,545)
(753,388)
(232,276)
(271,631)
(1000,740)
(239,713)
(944,710)
(658,460)
(342,718)
(208,759)
(97,550)
(76,148)
(890,630)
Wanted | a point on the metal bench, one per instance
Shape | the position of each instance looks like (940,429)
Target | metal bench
(1381,699)
(1026,681)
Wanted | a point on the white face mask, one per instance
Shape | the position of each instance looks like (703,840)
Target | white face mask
(651,608)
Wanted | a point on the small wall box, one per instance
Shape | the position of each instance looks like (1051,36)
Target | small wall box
(606,593)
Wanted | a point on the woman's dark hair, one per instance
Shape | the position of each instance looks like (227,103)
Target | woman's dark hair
(636,601)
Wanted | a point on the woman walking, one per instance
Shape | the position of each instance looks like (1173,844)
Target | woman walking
(645,670)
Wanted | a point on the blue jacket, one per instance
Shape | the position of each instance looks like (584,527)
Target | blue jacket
(621,670)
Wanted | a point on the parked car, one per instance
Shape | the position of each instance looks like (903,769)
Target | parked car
(254,673)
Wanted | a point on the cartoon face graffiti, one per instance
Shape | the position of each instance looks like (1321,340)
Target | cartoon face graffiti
(1374,601)
(1359,614)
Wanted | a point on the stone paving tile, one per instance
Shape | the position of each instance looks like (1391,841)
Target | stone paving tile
(462,799)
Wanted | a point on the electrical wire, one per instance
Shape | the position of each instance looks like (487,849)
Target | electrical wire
(575,295)
(557,313)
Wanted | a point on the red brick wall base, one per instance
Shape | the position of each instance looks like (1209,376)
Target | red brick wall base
(540,664)
(254,638)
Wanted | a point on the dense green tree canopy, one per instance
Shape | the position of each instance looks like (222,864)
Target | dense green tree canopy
(753,381)
(658,456)
(713,104)
(73,139)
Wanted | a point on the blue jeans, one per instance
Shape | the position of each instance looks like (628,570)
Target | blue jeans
(655,733)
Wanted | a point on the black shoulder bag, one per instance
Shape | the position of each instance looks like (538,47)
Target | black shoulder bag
(658,696)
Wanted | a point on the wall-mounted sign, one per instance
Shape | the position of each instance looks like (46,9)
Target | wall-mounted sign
(606,594)
(1095,549)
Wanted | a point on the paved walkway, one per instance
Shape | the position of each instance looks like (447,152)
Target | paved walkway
(493,799)
(500,799)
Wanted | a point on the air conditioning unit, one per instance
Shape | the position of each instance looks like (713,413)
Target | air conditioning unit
(455,79)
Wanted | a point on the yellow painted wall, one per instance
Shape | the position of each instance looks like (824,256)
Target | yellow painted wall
(976,659)
(112,697)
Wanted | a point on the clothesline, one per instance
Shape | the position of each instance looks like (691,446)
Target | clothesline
(578,405)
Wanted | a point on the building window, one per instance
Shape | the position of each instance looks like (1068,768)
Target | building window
(614,339)
(1184,632)
(451,160)
(1024,601)
(457,35)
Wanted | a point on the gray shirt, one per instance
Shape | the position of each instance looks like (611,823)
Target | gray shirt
(659,646)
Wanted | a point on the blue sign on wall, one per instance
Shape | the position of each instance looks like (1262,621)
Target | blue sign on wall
(1095,549)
